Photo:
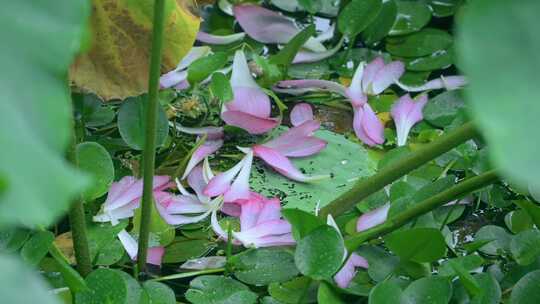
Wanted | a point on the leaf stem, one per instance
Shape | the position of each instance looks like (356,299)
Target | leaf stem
(392,172)
(188,274)
(150,133)
(422,207)
(77,220)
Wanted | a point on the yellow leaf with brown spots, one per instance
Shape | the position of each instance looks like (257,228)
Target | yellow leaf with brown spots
(117,63)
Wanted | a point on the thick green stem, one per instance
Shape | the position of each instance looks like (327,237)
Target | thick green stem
(392,172)
(76,214)
(150,140)
(423,207)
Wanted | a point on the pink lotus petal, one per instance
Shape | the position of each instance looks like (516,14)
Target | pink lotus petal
(251,101)
(278,240)
(240,187)
(212,133)
(367,126)
(345,275)
(178,219)
(271,210)
(232,209)
(222,234)
(183,204)
(270,228)
(448,83)
(221,183)
(118,188)
(355,92)
(406,113)
(182,85)
(306,147)
(297,87)
(129,243)
(128,189)
(301,113)
(155,255)
(264,25)
(204,150)
(387,76)
(215,39)
(372,218)
(179,74)
(113,216)
(248,122)
(172,78)
(281,164)
(241,75)
(249,213)
(298,141)
(197,181)
(370,72)
(307,56)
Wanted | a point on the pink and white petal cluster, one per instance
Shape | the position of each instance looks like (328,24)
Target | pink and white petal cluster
(213,142)
(406,113)
(261,224)
(250,108)
(124,197)
(232,184)
(177,78)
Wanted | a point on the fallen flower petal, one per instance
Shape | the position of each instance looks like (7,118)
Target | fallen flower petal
(267,26)
(367,126)
(372,218)
(345,275)
(179,74)
(298,141)
(154,255)
(129,189)
(298,87)
(204,150)
(250,109)
(301,113)
(406,113)
(282,164)
(448,83)
(233,184)
(218,39)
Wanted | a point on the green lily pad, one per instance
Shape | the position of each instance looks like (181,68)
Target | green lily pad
(344,160)
(109,286)
(526,290)
(411,17)
(429,290)
(380,27)
(209,289)
(93,159)
(319,254)
(439,60)
(423,43)
(132,122)
(264,266)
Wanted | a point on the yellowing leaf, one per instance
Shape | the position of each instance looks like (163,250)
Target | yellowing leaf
(117,63)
